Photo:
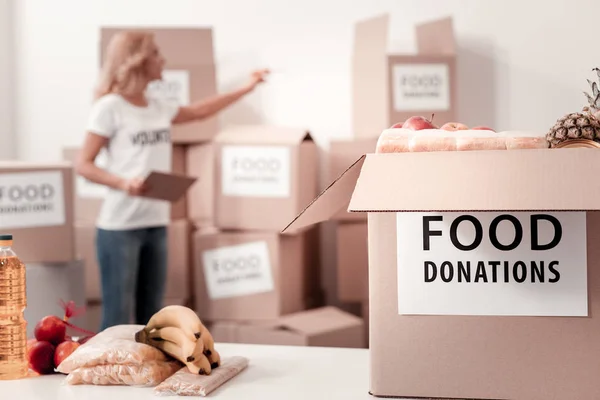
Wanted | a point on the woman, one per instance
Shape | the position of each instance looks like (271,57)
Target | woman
(131,239)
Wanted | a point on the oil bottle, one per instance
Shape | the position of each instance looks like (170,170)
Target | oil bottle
(13,300)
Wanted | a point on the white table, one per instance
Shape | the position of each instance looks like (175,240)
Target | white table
(274,372)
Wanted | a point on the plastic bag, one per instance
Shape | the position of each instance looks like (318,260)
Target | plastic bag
(148,374)
(184,383)
(114,345)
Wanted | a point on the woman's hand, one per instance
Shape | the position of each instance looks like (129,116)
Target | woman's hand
(134,186)
(257,77)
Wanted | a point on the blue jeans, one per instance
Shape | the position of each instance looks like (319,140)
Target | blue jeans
(133,271)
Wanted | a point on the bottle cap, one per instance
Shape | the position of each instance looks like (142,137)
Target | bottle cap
(6,237)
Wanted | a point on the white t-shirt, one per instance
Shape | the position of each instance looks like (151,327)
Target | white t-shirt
(140,142)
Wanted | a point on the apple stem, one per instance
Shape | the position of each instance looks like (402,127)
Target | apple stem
(432,115)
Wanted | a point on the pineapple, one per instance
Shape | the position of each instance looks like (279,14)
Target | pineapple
(581,125)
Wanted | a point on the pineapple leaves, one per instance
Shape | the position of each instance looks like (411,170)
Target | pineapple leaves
(597,71)
(594,98)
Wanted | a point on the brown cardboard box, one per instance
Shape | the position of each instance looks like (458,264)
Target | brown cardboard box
(248,275)
(341,154)
(36,207)
(178,275)
(365,317)
(459,343)
(189,74)
(89,196)
(389,88)
(178,282)
(323,327)
(200,163)
(263,171)
(352,262)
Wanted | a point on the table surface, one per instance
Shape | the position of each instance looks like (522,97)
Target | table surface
(274,372)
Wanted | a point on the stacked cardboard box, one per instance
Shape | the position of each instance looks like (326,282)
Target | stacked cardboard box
(36,207)
(250,279)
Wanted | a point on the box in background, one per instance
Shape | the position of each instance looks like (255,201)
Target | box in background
(36,207)
(365,317)
(48,284)
(178,273)
(343,153)
(189,74)
(447,326)
(390,88)
(249,275)
(352,262)
(323,327)
(263,171)
(200,163)
(89,196)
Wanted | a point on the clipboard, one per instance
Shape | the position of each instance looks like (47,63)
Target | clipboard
(169,187)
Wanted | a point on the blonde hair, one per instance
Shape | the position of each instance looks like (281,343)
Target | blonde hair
(124,67)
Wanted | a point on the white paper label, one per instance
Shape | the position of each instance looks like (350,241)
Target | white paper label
(488,263)
(174,86)
(89,190)
(31,199)
(255,171)
(421,87)
(239,270)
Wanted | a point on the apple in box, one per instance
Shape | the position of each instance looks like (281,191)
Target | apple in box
(418,123)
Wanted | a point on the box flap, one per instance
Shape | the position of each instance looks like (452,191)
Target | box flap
(331,200)
(436,37)
(179,46)
(509,180)
(262,134)
(316,321)
(369,77)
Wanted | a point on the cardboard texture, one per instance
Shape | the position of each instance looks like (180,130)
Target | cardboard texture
(247,276)
(324,327)
(46,284)
(484,357)
(200,163)
(88,197)
(178,282)
(352,262)
(341,154)
(390,88)
(36,207)
(263,170)
(190,73)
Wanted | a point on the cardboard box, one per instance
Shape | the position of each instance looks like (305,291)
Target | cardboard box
(178,274)
(89,196)
(200,163)
(49,283)
(247,276)
(390,88)
(365,317)
(352,262)
(36,207)
(179,284)
(341,154)
(263,171)
(189,74)
(323,327)
(438,289)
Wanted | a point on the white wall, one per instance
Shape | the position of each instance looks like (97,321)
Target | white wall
(7,132)
(521,65)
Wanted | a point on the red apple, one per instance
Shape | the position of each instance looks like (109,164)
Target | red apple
(30,344)
(454,126)
(64,350)
(482,128)
(41,357)
(418,123)
(51,329)
(397,125)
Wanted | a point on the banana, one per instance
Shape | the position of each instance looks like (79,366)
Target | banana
(209,349)
(177,316)
(174,335)
(176,352)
